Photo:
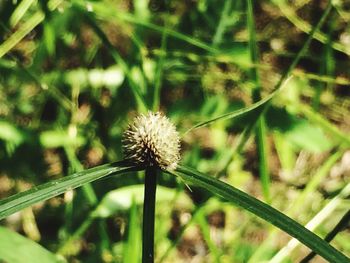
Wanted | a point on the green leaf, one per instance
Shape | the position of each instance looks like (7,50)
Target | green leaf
(236,113)
(11,133)
(19,12)
(132,247)
(298,131)
(51,189)
(17,248)
(122,199)
(60,138)
(25,29)
(261,104)
(263,211)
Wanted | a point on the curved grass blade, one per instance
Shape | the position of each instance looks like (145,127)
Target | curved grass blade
(51,189)
(243,111)
(112,14)
(280,84)
(90,19)
(261,131)
(263,211)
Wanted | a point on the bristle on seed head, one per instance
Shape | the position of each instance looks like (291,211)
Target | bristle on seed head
(152,140)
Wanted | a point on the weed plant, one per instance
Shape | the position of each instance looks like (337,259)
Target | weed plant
(258,91)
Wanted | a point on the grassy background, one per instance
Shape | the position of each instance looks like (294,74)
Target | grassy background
(73,74)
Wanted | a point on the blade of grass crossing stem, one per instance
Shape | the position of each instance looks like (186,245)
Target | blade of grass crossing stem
(260,131)
(78,167)
(54,188)
(90,195)
(263,211)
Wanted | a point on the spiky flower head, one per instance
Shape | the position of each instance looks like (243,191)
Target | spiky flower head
(152,140)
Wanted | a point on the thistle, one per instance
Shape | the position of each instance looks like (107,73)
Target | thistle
(152,140)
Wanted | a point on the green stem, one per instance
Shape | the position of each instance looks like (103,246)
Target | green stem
(148,215)
(260,132)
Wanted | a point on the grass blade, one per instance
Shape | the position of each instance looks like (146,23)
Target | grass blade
(318,118)
(91,20)
(112,14)
(264,103)
(51,189)
(260,131)
(304,26)
(338,228)
(241,112)
(25,29)
(17,248)
(316,221)
(16,37)
(20,11)
(263,211)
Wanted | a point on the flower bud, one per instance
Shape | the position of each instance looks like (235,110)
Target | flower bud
(152,140)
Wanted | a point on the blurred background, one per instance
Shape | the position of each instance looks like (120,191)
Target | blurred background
(74,73)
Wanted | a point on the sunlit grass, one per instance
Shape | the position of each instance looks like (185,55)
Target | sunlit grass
(257,89)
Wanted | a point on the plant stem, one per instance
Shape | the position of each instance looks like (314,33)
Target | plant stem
(148,215)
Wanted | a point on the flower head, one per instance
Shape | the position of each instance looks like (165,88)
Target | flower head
(151,139)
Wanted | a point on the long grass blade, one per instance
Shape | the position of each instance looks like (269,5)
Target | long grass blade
(25,29)
(241,112)
(316,221)
(16,37)
(264,211)
(260,132)
(116,56)
(304,26)
(51,189)
(108,14)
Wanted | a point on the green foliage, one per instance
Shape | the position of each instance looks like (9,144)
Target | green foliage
(264,211)
(16,248)
(51,189)
(258,90)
